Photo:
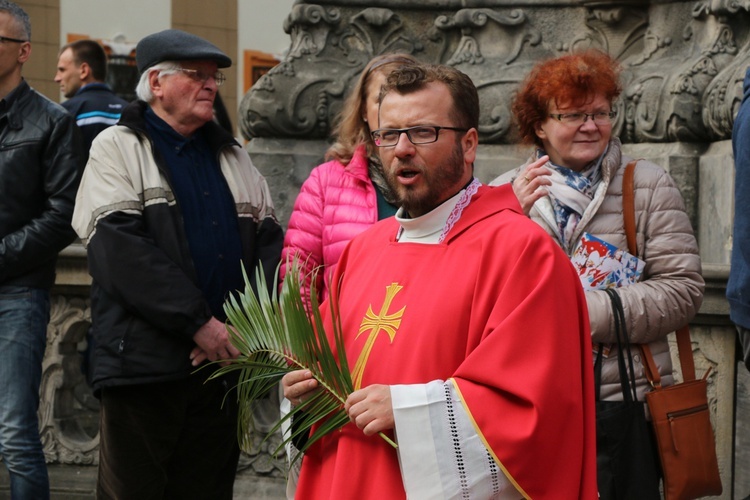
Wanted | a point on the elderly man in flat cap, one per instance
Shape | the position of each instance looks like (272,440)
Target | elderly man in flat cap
(169,208)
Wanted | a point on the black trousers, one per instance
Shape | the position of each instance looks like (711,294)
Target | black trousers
(170,440)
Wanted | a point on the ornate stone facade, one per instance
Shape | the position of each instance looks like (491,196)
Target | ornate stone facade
(683,61)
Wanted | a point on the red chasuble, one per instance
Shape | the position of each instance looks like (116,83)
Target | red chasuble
(497,308)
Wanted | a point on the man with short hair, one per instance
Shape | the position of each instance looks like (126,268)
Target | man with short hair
(81,72)
(41,156)
(170,207)
(464,324)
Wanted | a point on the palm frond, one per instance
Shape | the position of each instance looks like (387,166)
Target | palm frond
(276,333)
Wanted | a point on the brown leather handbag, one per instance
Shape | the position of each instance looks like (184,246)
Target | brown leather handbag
(679,413)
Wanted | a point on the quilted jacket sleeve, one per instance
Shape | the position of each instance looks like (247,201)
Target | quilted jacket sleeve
(303,239)
(671,290)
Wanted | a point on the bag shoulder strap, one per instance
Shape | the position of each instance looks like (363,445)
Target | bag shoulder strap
(627,384)
(649,367)
(628,206)
(685,350)
(598,372)
(684,346)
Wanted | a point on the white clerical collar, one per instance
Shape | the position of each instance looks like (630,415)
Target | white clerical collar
(432,227)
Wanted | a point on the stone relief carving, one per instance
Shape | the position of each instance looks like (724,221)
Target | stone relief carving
(682,99)
(301,96)
(616,29)
(683,62)
(466,20)
(68,412)
(306,25)
(723,94)
(479,39)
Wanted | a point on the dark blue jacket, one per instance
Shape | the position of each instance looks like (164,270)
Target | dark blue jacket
(95,107)
(738,288)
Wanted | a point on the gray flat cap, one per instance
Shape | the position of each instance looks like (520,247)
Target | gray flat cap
(176,45)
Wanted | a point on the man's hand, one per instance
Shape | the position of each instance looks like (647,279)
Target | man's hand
(528,186)
(298,386)
(370,409)
(213,343)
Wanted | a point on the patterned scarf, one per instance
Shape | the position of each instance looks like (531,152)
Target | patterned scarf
(375,169)
(571,192)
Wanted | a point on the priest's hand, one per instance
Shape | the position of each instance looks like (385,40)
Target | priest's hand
(371,409)
(529,185)
(298,386)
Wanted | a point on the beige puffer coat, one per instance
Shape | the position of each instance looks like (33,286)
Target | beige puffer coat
(671,289)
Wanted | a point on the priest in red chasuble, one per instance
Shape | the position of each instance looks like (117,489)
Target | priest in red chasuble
(465,326)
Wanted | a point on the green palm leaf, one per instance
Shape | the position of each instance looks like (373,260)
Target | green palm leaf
(276,334)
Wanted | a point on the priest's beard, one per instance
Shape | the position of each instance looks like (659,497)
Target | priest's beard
(439,182)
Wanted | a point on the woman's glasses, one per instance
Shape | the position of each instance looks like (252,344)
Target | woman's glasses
(578,119)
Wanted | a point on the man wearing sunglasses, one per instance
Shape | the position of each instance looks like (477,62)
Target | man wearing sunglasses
(170,207)
(439,309)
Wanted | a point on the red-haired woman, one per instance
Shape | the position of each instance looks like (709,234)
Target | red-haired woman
(572,187)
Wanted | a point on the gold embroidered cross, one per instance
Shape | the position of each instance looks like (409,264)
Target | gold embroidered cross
(388,323)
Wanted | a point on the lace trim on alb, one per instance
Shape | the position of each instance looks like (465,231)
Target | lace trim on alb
(457,452)
(462,203)
(494,474)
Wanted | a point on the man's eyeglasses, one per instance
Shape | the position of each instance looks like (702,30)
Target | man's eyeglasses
(388,137)
(578,119)
(4,39)
(200,76)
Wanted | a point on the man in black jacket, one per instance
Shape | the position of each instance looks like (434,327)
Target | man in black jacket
(81,72)
(170,207)
(41,156)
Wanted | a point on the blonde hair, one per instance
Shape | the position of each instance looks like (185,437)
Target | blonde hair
(351,130)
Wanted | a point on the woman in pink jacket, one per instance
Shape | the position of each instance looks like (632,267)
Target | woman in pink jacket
(348,193)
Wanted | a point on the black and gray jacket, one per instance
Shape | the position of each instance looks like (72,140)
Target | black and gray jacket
(146,304)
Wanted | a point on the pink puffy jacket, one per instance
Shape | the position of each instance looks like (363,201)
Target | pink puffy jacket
(334,205)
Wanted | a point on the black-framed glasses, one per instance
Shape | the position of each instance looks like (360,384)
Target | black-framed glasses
(4,39)
(423,134)
(200,76)
(578,119)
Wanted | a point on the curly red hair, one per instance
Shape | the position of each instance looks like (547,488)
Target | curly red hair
(569,80)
